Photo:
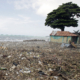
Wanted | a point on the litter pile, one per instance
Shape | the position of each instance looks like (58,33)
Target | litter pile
(38,61)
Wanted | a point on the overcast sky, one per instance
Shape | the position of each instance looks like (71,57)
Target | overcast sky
(27,17)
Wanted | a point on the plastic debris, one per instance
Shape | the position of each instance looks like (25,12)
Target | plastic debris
(23,58)
(15,63)
(56,77)
(50,69)
(65,45)
(4,56)
(9,56)
(28,71)
(41,73)
(40,62)
(12,68)
(3,68)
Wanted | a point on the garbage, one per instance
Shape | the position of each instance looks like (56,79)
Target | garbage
(38,47)
(15,63)
(20,55)
(73,45)
(4,56)
(3,68)
(17,72)
(2,75)
(1,55)
(63,77)
(23,58)
(40,62)
(50,69)
(65,45)
(9,56)
(12,68)
(56,77)
(6,74)
(38,56)
(25,71)
(41,73)
(23,61)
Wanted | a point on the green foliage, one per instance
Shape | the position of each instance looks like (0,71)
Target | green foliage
(63,16)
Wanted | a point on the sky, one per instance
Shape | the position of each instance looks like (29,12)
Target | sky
(27,17)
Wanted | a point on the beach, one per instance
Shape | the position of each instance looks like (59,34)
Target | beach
(38,60)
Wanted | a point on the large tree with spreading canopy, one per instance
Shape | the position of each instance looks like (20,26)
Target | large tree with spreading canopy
(63,16)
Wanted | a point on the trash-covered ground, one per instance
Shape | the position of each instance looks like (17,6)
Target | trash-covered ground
(38,61)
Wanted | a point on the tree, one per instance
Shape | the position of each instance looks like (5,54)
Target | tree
(77,32)
(63,16)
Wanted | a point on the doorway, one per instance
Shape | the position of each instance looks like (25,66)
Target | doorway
(74,39)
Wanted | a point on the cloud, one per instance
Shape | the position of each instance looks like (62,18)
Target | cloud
(9,23)
(21,4)
(31,24)
(22,25)
(42,7)
(20,19)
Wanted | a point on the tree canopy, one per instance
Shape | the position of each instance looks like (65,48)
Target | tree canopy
(63,16)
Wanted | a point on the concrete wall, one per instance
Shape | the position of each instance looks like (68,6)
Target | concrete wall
(60,39)
(68,39)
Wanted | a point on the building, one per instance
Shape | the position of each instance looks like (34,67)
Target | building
(78,34)
(63,37)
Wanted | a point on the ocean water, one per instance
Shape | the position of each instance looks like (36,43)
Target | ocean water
(22,37)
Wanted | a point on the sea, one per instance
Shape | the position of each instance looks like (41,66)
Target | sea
(22,37)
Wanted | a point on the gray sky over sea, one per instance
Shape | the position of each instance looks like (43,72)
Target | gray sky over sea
(27,17)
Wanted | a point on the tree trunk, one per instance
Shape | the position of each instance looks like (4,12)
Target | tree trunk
(62,29)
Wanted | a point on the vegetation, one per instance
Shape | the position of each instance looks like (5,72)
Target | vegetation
(63,16)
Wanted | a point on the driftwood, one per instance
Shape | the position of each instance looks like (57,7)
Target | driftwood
(72,45)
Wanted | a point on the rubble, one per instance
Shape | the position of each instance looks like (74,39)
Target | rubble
(38,61)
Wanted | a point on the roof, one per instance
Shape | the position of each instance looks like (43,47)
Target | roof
(62,33)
